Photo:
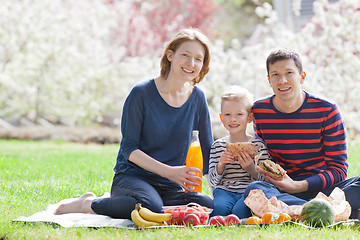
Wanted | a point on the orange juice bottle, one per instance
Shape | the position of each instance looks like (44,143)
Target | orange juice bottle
(194,158)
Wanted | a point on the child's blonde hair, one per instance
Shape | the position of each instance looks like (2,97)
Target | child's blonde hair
(236,93)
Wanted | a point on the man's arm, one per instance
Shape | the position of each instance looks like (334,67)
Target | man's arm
(335,153)
(329,163)
(334,159)
(286,184)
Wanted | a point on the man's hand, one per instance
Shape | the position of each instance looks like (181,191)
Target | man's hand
(286,184)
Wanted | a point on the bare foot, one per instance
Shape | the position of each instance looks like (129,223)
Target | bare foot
(77,205)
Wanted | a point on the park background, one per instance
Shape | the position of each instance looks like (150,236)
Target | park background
(66,66)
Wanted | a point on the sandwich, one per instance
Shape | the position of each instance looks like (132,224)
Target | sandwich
(274,170)
(236,148)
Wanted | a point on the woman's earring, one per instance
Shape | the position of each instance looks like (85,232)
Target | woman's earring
(303,75)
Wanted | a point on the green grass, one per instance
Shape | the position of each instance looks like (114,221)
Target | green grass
(34,174)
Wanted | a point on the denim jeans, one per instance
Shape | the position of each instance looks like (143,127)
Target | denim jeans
(128,190)
(351,188)
(226,202)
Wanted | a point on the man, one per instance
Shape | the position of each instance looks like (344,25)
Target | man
(305,134)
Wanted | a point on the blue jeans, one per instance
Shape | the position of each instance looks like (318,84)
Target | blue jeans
(128,190)
(351,188)
(226,202)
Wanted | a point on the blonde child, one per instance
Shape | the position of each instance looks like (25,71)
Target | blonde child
(229,177)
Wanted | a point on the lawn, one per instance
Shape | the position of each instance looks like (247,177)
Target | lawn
(34,174)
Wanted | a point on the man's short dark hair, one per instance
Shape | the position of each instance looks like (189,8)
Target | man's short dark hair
(283,54)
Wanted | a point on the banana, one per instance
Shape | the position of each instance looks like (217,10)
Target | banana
(149,215)
(140,222)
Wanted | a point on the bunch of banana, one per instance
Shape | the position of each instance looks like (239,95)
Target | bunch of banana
(143,217)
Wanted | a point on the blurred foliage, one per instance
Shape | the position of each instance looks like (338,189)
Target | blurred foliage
(238,19)
(75,63)
(150,23)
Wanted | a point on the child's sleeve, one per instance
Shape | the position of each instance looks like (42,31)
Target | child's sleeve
(264,153)
(215,153)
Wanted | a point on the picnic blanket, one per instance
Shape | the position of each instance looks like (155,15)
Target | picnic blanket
(75,219)
(98,221)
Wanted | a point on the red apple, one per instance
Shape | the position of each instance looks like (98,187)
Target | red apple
(232,219)
(217,221)
(191,220)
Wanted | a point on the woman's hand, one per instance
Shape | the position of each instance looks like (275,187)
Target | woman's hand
(176,174)
(182,175)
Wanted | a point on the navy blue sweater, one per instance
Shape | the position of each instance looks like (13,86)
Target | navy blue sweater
(163,132)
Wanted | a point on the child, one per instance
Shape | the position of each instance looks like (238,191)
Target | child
(228,177)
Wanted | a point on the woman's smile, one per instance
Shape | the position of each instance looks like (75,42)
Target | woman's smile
(187,71)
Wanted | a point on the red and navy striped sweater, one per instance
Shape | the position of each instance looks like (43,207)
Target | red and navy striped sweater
(309,143)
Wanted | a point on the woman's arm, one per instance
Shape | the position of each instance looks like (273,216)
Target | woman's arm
(177,174)
(205,133)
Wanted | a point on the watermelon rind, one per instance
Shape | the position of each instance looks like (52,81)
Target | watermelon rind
(318,213)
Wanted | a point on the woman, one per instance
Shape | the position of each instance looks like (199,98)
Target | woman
(158,118)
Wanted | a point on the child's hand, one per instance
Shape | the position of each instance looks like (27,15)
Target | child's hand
(225,158)
(246,162)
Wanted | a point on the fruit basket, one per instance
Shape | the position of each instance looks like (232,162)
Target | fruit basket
(191,214)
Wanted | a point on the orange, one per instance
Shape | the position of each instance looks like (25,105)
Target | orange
(270,217)
(253,220)
(283,217)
